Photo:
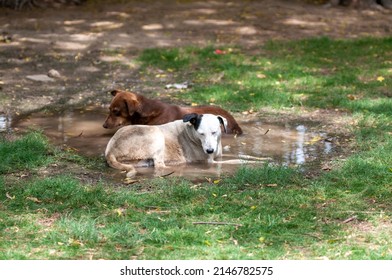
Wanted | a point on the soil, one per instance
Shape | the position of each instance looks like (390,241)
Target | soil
(71,56)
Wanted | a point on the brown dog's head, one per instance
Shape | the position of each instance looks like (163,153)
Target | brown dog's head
(124,104)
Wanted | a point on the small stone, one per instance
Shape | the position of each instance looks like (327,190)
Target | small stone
(54,73)
(40,78)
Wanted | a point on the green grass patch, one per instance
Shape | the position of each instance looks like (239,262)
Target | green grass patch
(322,73)
(27,152)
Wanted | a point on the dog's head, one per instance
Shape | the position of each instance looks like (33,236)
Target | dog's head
(124,104)
(207,128)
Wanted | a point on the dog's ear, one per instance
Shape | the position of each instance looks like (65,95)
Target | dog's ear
(190,118)
(114,92)
(193,118)
(223,122)
(132,104)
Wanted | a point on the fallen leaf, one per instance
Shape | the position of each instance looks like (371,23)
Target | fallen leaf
(75,243)
(218,51)
(119,211)
(234,241)
(347,254)
(314,140)
(271,185)
(261,239)
(217,181)
(380,78)
(34,199)
(130,181)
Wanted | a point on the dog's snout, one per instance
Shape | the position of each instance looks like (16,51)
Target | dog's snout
(105,125)
(210,151)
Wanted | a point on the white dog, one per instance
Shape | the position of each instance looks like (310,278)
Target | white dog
(195,138)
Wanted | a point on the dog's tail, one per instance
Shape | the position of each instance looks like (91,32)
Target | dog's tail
(112,161)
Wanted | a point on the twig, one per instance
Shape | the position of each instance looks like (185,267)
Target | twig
(217,223)
(148,192)
(312,235)
(349,219)
(365,212)
(267,131)
(165,175)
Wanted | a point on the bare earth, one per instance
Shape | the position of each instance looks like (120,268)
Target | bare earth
(79,41)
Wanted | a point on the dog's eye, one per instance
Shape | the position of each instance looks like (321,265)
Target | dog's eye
(116,112)
(214,133)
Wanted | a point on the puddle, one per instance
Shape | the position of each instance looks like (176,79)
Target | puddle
(82,130)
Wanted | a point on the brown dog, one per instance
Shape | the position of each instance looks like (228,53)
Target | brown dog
(131,108)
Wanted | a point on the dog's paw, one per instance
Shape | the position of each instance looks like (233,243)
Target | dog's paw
(131,173)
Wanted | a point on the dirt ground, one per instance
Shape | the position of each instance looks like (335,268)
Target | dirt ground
(79,41)
(91,47)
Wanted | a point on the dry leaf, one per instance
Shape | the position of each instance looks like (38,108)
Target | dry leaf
(130,181)
(34,199)
(314,140)
(218,51)
(234,241)
(75,243)
(120,211)
(380,78)
(271,185)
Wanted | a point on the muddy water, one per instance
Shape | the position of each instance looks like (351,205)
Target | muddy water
(82,130)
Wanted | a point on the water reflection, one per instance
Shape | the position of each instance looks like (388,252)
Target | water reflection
(284,143)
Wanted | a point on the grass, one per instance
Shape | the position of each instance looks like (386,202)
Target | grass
(270,212)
